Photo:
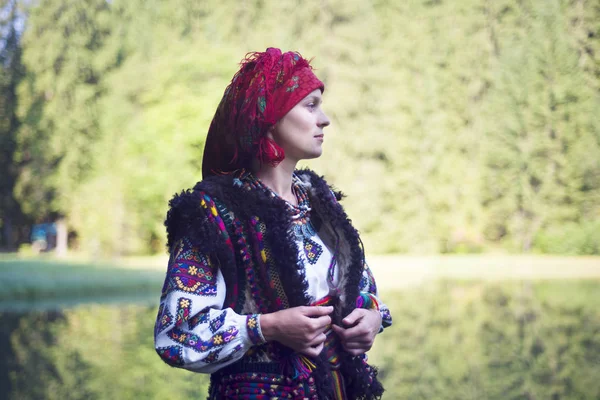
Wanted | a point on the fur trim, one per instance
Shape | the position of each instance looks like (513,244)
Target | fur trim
(187,217)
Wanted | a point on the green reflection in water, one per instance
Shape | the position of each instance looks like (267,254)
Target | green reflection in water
(451,340)
(92,351)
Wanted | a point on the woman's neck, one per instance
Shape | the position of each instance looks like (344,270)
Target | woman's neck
(278,178)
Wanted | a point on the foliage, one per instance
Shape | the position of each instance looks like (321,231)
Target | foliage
(460,126)
(64,64)
(540,171)
(11,71)
(571,238)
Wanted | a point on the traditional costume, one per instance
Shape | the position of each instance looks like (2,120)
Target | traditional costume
(238,250)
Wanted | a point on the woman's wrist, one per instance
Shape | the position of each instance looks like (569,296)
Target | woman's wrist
(268,326)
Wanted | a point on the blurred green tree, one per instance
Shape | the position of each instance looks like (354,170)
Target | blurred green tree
(12,220)
(457,126)
(542,168)
(58,110)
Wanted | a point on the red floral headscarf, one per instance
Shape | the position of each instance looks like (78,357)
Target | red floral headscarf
(267,86)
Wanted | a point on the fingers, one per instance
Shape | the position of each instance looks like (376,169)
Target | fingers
(356,333)
(356,315)
(338,330)
(364,346)
(319,339)
(355,345)
(318,349)
(320,323)
(356,352)
(356,339)
(316,311)
(312,351)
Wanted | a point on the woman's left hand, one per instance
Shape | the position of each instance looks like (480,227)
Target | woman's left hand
(362,326)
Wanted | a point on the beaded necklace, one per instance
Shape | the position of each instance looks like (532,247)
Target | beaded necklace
(300,213)
(302,226)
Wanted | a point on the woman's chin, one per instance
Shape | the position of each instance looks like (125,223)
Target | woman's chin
(315,154)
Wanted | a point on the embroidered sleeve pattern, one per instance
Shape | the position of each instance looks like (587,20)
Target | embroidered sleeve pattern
(369,297)
(189,272)
(191,330)
(253,327)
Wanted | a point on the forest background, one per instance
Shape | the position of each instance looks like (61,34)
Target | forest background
(457,126)
(463,126)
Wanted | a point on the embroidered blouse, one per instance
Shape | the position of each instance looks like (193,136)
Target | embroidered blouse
(219,337)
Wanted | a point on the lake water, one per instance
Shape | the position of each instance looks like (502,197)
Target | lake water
(101,349)
(453,340)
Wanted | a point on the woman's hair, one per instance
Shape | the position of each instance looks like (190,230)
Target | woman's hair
(267,86)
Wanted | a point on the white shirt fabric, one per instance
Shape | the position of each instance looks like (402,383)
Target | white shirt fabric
(316,274)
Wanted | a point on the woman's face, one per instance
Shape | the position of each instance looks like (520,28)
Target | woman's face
(300,131)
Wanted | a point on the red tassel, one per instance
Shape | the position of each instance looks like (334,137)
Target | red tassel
(269,152)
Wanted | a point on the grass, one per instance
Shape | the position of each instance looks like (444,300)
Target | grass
(31,280)
(397,272)
(24,281)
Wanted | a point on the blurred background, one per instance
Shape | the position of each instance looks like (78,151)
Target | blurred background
(465,133)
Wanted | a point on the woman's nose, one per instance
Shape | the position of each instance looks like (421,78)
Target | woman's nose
(324,120)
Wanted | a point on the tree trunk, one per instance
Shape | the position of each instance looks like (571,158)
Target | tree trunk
(61,237)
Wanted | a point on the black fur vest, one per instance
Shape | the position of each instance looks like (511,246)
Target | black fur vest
(258,284)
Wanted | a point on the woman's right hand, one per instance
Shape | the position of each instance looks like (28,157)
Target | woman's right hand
(300,328)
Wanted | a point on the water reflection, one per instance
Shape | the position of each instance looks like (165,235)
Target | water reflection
(53,350)
(451,340)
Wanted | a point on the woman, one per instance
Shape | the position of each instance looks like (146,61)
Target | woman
(267,288)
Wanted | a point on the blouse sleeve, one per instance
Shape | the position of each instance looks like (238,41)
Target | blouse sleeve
(192,329)
(368,291)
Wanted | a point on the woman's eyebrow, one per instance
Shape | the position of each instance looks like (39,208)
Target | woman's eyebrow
(314,98)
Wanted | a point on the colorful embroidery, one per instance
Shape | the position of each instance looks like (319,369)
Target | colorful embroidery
(213,215)
(200,318)
(293,84)
(248,264)
(212,357)
(262,104)
(369,283)
(253,328)
(312,250)
(171,355)
(363,284)
(194,342)
(164,319)
(275,291)
(183,310)
(259,385)
(226,336)
(233,353)
(386,317)
(218,322)
(190,272)
(255,267)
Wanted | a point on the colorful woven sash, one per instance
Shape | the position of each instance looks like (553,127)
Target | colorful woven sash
(331,349)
